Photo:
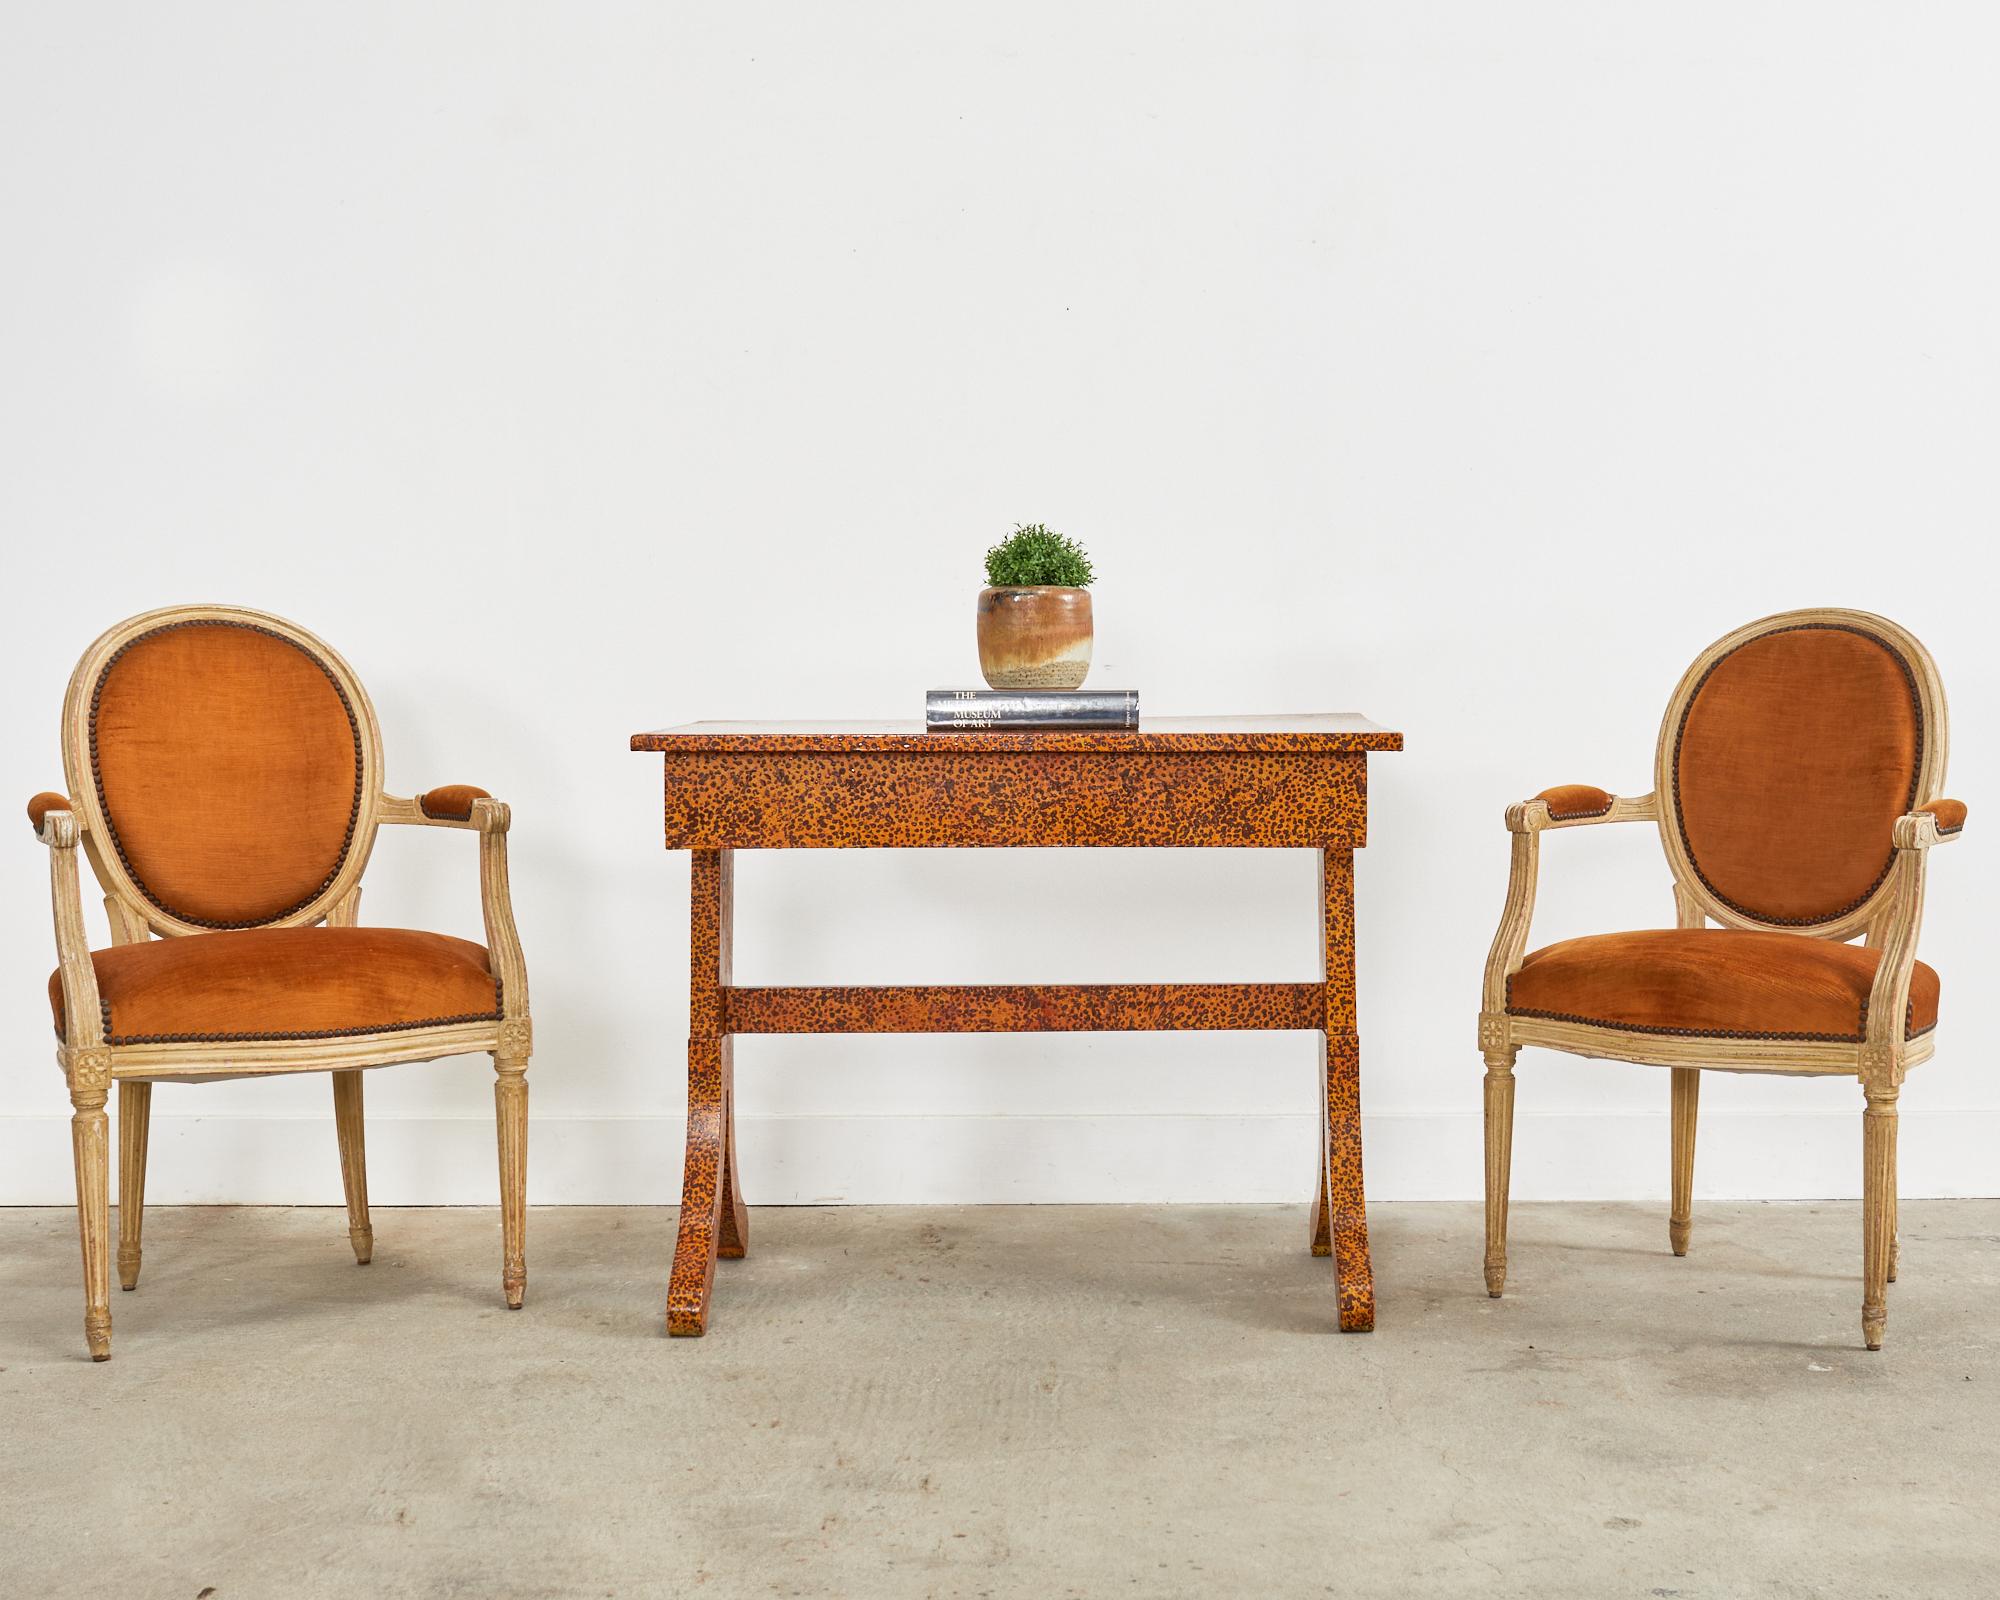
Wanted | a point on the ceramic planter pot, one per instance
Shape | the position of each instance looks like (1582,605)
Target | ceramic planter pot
(1034,638)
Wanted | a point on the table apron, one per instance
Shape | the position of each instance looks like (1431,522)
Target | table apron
(1025,799)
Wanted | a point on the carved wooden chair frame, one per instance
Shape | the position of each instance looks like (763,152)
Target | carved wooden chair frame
(91,1063)
(1889,918)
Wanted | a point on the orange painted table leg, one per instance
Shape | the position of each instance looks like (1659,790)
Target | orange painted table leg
(713,1221)
(1340,1204)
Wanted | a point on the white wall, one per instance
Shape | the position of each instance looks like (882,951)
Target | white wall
(578,370)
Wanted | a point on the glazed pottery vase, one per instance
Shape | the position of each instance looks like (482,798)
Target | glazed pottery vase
(1034,638)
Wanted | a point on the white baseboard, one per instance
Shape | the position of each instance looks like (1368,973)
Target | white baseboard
(876,1160)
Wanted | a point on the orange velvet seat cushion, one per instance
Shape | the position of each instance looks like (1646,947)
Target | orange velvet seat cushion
(1714,981)
(288,983)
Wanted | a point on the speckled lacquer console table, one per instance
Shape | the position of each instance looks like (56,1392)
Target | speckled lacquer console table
(1268,782)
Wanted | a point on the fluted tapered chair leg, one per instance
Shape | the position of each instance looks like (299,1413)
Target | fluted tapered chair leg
(1680,1212)
(1878,1187)
(135,1115)
(510,1105)
(1499,1162)
(349,1129)
(1895,1215)
(90,1143)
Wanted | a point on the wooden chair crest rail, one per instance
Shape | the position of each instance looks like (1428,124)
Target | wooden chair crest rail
(1245,781)
(224,780)
(1798,791)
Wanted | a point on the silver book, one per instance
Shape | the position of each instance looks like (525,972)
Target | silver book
(1031,708)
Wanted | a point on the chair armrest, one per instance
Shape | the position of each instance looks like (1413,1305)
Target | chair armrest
(1574,805)
(451,802)
(1937,822)
(42,805)
(479,812)
(83,1018)
(455,805)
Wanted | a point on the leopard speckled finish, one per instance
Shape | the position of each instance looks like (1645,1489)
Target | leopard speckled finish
(1325,732)
(856,799)
(1025,1008)
(711,1208)
(1263,782)
(1342,1203)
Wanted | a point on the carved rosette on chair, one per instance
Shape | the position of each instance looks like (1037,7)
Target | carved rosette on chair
(1798,781)
(225,782)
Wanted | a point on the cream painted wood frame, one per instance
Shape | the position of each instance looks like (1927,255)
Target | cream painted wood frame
(1889,920)
(91,1065)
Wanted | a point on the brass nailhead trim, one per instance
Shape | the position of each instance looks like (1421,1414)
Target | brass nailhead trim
(424,805)
(1916,769)
(97,776)
(1580,816)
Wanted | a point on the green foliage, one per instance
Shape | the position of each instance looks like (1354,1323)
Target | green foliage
(1033,554)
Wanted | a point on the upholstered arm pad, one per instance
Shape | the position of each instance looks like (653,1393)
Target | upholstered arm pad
(1940,822)
(45,802)
(455,805)
(451,803)
(1572,805)
(1950,815)
(1572,802)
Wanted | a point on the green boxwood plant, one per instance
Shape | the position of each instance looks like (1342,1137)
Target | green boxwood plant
(1032,555)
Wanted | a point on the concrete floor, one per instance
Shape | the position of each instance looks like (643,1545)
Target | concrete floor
(1051,1401)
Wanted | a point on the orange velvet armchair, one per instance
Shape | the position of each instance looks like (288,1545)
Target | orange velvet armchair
(1797,791)
(224,771)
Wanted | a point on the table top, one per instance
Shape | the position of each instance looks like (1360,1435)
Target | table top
(1309,733)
